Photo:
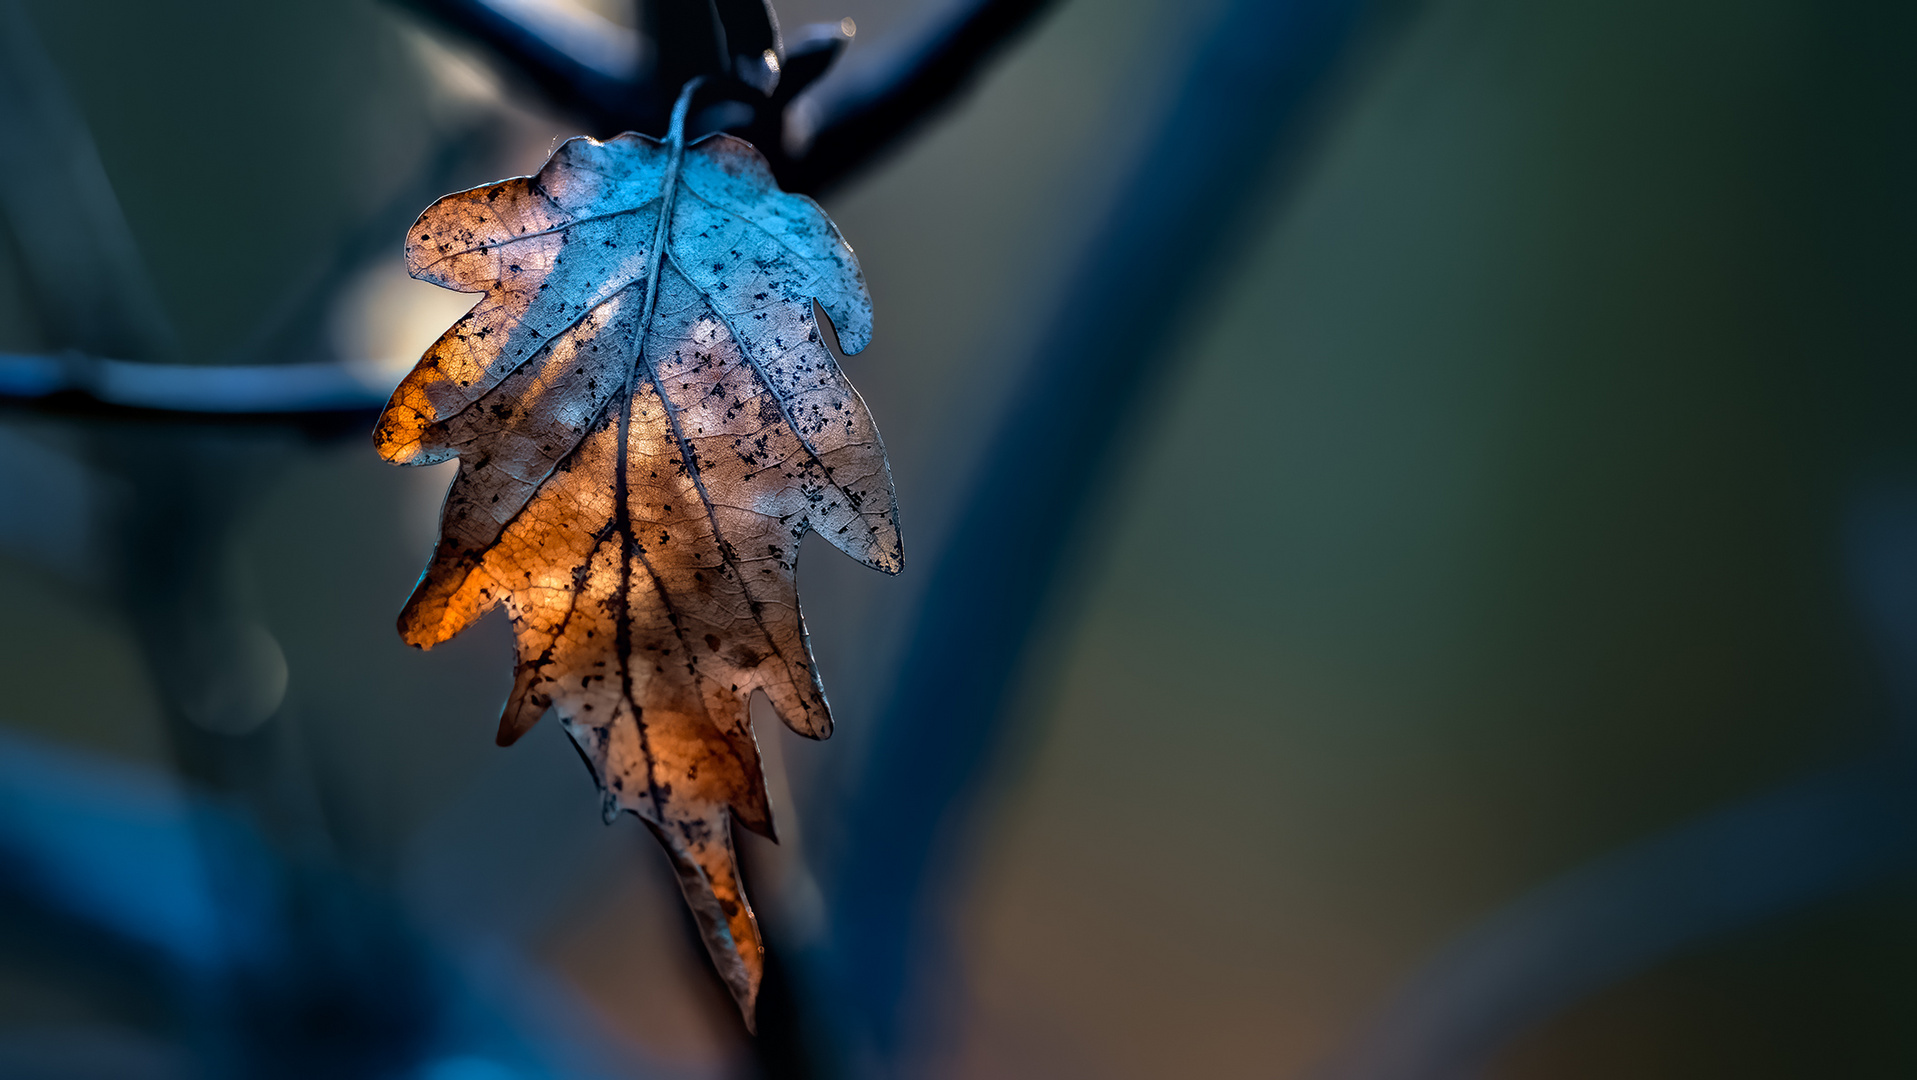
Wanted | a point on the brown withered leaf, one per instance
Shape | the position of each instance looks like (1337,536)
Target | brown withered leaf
(648,421)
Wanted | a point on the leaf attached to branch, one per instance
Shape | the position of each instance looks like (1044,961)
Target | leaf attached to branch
(648,421)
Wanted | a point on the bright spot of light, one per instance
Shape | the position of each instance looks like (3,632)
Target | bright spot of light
(454,78)
(848,27)
(383,320)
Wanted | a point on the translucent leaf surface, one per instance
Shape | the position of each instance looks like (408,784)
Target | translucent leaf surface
(648,421)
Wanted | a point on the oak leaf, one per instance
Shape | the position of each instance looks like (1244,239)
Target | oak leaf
(648,420)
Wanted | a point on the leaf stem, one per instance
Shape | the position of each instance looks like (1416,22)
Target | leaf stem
(676,131)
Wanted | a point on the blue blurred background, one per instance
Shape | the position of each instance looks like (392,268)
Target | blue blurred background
(1469,628)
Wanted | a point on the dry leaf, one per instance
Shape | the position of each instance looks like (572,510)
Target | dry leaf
(648,420)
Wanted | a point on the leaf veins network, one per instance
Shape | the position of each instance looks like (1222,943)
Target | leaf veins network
(647,421)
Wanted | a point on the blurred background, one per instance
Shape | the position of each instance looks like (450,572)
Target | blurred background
(1411,526)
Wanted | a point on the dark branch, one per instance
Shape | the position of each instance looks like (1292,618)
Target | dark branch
(846,121)
(215,390)
(864,109)
(595,70)
(553,55)
(1251,93)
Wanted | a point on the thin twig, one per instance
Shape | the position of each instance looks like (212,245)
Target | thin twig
(853,116)
(215,390)
(1248,97)
(843,124)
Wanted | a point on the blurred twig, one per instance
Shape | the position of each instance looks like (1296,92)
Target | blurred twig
(1722,872)
(1620,915)
(862,110)
(1247,97)
(609,77)
(225,390)
(840,125)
